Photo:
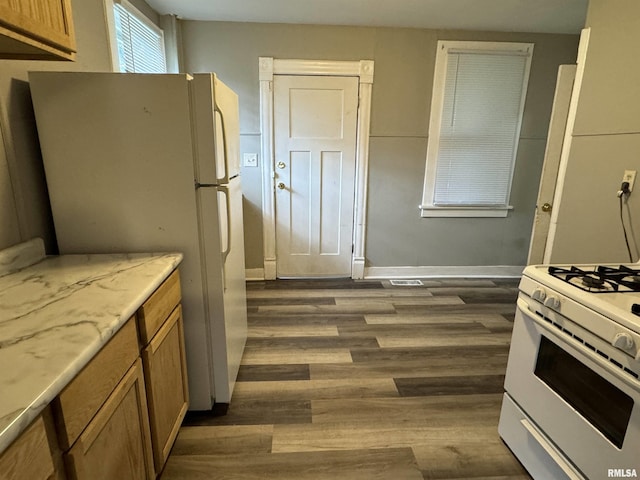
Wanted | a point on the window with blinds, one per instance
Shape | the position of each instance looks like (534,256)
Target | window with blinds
(140,43)
(477,104)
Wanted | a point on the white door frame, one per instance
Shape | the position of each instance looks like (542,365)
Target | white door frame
(583,46)
(362,69)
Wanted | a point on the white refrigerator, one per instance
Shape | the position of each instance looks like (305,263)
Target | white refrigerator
(147,162)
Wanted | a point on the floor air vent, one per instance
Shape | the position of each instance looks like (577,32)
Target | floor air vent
(406,283)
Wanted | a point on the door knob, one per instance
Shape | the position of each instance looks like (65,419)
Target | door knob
(281,186)
(546,207)
(281,165)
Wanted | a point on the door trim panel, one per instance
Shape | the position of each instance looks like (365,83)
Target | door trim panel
(363,69)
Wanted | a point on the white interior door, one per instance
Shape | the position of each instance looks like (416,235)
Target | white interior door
(548,181)
(315,120)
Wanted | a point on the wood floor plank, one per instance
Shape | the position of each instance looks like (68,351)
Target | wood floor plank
(294,331)
(338,318)
(448,385)
(317,389)
(452,411)
(356,308)
(500,308)
(273,373)
(335,436)
(472,354)
(413,330)
(459,340)
(475,291)
(223,440)
(355,464)
(317,342)
(403,300)
(408,319)
(254,302)
(336,293)
(284,356)
(318,283)
(409,368)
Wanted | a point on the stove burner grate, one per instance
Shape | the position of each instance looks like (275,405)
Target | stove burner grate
(601,279)
(593,282)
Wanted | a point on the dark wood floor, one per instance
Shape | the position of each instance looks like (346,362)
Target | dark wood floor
(362,380)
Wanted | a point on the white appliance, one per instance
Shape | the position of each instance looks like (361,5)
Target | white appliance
(138,162)
(572,403)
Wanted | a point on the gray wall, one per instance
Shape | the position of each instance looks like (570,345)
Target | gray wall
(404,64)
(606,142)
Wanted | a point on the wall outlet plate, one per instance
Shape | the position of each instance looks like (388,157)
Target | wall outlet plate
(630,176)
(250,159)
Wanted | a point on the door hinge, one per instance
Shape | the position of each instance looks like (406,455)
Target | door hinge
(353,248)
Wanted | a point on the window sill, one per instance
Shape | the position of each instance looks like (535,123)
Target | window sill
(461,212)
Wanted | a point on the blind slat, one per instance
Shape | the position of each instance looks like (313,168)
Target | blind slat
(140,49)
(479,126)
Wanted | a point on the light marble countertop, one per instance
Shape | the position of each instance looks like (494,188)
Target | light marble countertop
(56,313)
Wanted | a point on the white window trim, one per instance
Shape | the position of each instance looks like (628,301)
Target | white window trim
(111,29)
(427,207)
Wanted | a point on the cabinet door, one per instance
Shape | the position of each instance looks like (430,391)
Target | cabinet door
(166,382)
(36,29)
(116,442)
(29,456)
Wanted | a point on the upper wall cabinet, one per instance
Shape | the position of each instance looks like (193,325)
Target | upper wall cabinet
(36,30)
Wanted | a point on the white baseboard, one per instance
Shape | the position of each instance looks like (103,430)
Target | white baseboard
(254,274)
(474,271)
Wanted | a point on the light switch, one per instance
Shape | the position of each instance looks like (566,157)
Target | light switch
(250,159)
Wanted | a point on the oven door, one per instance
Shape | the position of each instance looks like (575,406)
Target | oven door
(573,397)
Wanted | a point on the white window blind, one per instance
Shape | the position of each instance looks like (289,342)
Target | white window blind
(140,43)
(477,108)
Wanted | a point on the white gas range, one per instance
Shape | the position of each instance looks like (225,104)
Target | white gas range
(572,403)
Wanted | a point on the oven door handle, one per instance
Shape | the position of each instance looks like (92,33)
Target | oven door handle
(551,450)
(524,306)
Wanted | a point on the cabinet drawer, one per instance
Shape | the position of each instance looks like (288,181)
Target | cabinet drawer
(116,443)
(161,303)
(29,456)
(82,398)
(166,385)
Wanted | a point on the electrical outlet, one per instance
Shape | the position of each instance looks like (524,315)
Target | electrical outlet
(629,176)
(250,159)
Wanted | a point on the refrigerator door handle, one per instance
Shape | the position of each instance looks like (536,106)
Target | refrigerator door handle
(225,145)
(226,251)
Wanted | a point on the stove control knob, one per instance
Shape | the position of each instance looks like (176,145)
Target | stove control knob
(552,302)
(623,341)
(539,294)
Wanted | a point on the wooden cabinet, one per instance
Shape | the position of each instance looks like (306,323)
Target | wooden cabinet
(36,29)
(120,415)
(116,442)
(33,454)
(164,361)
(101,416)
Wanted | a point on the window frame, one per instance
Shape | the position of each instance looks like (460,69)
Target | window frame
(428,208)
(113,38)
